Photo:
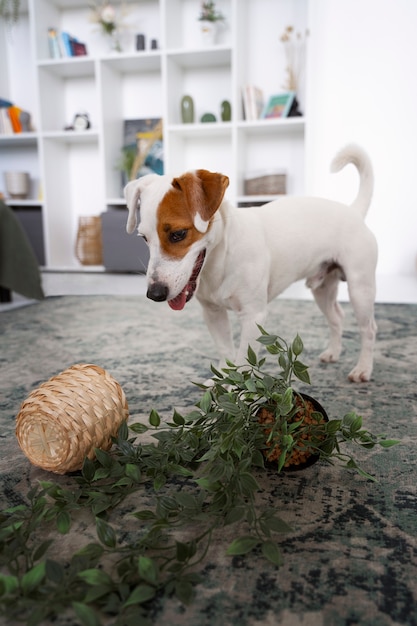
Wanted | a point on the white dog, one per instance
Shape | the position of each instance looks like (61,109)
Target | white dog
(240,259)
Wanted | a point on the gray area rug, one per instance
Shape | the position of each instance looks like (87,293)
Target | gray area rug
(352,558)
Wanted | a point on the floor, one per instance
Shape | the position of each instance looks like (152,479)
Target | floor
(394,289)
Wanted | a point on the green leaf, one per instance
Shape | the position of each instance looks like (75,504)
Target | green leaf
(92,550)
(133,472)
(297,345)
(184,591)
(185,551)
(251,356)
(123,432)
(205,402)
(54,571)
(234,515)
(88,470)
(142,593)
(388,443)
(42,549)
(178,419)
(154,418)
(63,522)
(242,545)
(159,481)
(277,525)
(301,372)
(138,428)
(148,570)
(271,551)
(105,533)
(86,614)
(248,483)
(8,584)
(103,457)
(228,406)
(96,577)
(145,515)
(33,578)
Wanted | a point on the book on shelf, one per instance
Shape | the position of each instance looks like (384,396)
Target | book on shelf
(278,105)
(64,45)
(55,51)
(6,127)
(253,102)
(13,119)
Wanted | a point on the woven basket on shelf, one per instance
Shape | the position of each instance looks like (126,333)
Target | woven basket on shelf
(89,245)
(66,417)
(268,184)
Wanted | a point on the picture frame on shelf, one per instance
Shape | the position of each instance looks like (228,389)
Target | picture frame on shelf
(278,105)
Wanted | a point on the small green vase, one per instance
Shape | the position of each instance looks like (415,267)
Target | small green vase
(187,110)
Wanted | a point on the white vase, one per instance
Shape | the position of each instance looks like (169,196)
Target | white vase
(208,33)
(17,184)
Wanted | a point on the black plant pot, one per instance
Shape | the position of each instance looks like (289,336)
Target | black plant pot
(312,458)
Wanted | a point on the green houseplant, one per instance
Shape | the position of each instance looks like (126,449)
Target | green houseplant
(209,18)
(201,474)
(9,11)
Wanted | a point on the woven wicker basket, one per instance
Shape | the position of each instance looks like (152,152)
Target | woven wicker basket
(89,245)
(65,418)
(268,184)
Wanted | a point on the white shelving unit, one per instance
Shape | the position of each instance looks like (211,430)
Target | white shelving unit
(74,173)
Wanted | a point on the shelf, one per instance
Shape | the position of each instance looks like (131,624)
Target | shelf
(27,203)
(72,136)
(258,127)
(69,67)
(19,139)
(113,87)
(147,61)
(206,129)
(216,56)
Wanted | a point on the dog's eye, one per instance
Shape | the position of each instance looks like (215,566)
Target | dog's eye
(143,237)
(177,235)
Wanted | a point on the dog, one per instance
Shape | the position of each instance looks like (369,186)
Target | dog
(239,259)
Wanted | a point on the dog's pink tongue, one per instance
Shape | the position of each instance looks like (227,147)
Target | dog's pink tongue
(179,301)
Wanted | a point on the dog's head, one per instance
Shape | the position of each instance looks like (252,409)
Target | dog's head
(176,217)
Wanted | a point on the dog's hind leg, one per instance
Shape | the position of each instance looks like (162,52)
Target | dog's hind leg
(326,297)
(362,300)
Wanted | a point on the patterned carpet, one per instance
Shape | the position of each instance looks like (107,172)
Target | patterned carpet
(352,558)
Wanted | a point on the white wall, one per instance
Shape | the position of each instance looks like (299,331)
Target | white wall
(363,88)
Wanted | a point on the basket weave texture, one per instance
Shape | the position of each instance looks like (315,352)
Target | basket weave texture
(66,417)
(89,245)
(271,184)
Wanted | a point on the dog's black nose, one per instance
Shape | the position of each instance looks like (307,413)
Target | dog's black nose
(158,292)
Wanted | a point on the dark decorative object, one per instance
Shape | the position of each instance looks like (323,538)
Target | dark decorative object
(294,110)
(208,117)
(140,42)
(226,111)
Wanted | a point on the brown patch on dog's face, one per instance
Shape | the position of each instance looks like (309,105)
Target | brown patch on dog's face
(186,211)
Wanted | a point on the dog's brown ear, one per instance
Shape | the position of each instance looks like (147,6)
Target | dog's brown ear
(214,187)
(204,193)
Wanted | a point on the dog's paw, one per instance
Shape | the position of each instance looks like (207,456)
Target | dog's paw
(329,356)
(360,374)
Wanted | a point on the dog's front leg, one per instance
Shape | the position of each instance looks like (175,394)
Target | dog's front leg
(218,323)
(249,334)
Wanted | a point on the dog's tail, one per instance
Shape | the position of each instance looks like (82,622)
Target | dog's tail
(357,156)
